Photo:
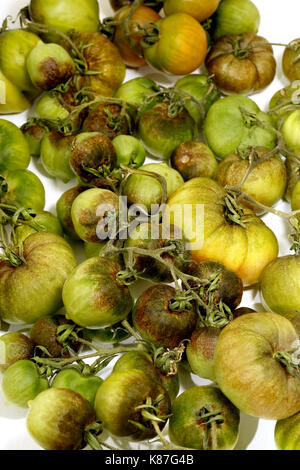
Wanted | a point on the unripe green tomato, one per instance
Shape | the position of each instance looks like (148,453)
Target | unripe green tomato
(203,89)
(24,189)
(66,15)
(236,17)
(84,385)
(89,211)
(12,99)
(291,131)
(146,190)
(14,347)
(63,209)
(190,423)
(135,90)
(280,285)
(49,107)
(130,151)
(287,433)
(93,249)
(34,134)
(92,295)
(49,65)
(193,159)
(57,419)
(55,155)
(15,47)
(21,383)
(43,222)
(14,148)
(295,201)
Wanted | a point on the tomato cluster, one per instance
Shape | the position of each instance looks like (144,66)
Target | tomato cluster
(189,224)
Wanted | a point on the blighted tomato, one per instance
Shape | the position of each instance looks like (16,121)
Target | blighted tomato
(244,248)
(250,366)
(266,183)
(58,418)
(280,284)
(90,212)
(241,64)
(161,132)
(231,124)
(118,400)
(109,119)
(132,56)
(200,352)
(202,418)
(63,209)
(34,289)
(290,61)
(92,295)
(34,134)
(143,361)
(293,175)
(14,148)
(180,47)
(14,347)
(194,159)
(55,155)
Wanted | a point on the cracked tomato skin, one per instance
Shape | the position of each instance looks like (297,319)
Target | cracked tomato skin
(246,249)
(92,295)
(181,47)
(33,290)
(186,428)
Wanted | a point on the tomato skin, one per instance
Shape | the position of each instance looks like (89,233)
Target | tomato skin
(236,17)
(135,90)
(248,372)
(200,352)
(186,428)
(34,134)
(142,15)
(198,10)
(34,289)
(246,251)
(55,155)
(14,347)
(99,120)
(63,210)
(118,397)
(46,221)
(72,379)
(21,382)
(24,189)
(290,63)
(12,99)
(161,134)
(92,296)
(130,151)
(15,153)
(53,407)
(181,47)
(194,159)
(287,433)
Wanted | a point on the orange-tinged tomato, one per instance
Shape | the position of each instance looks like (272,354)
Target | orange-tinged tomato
(198,9)
(181,45)
(141,16)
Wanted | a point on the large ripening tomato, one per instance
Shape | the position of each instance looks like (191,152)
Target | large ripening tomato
(198,9)
(245,249)
(181,46)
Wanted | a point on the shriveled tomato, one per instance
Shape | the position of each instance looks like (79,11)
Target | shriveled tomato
(198,10)
(132,56)
(181,45)
(242,64)
(244,248)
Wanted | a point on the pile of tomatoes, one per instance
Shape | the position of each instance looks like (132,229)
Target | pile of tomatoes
(169,246)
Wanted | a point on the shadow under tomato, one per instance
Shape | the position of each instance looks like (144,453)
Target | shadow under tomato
(248,429)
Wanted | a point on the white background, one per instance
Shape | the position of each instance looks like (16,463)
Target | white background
(279,23)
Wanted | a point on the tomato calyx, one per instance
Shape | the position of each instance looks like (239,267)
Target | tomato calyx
(290,361)
(209,419)
(150,413)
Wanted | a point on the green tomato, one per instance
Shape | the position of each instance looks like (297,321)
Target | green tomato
(84,385)
(24,189)
(287,433)
(48,107)
(203,89)
(130,151)
(14,347)
(295,201)
(34,134)
(230,125)
(92,295)
(200,352)
(291,131)
(15,153)
(49,65)
(161,134)
(66,15)
(236,17)
(15,47)
(21,383)
(93,249)
(202,418)
(43,222)
(146,190)
(63,209)
(55,155)
(134,91)
(12,99)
